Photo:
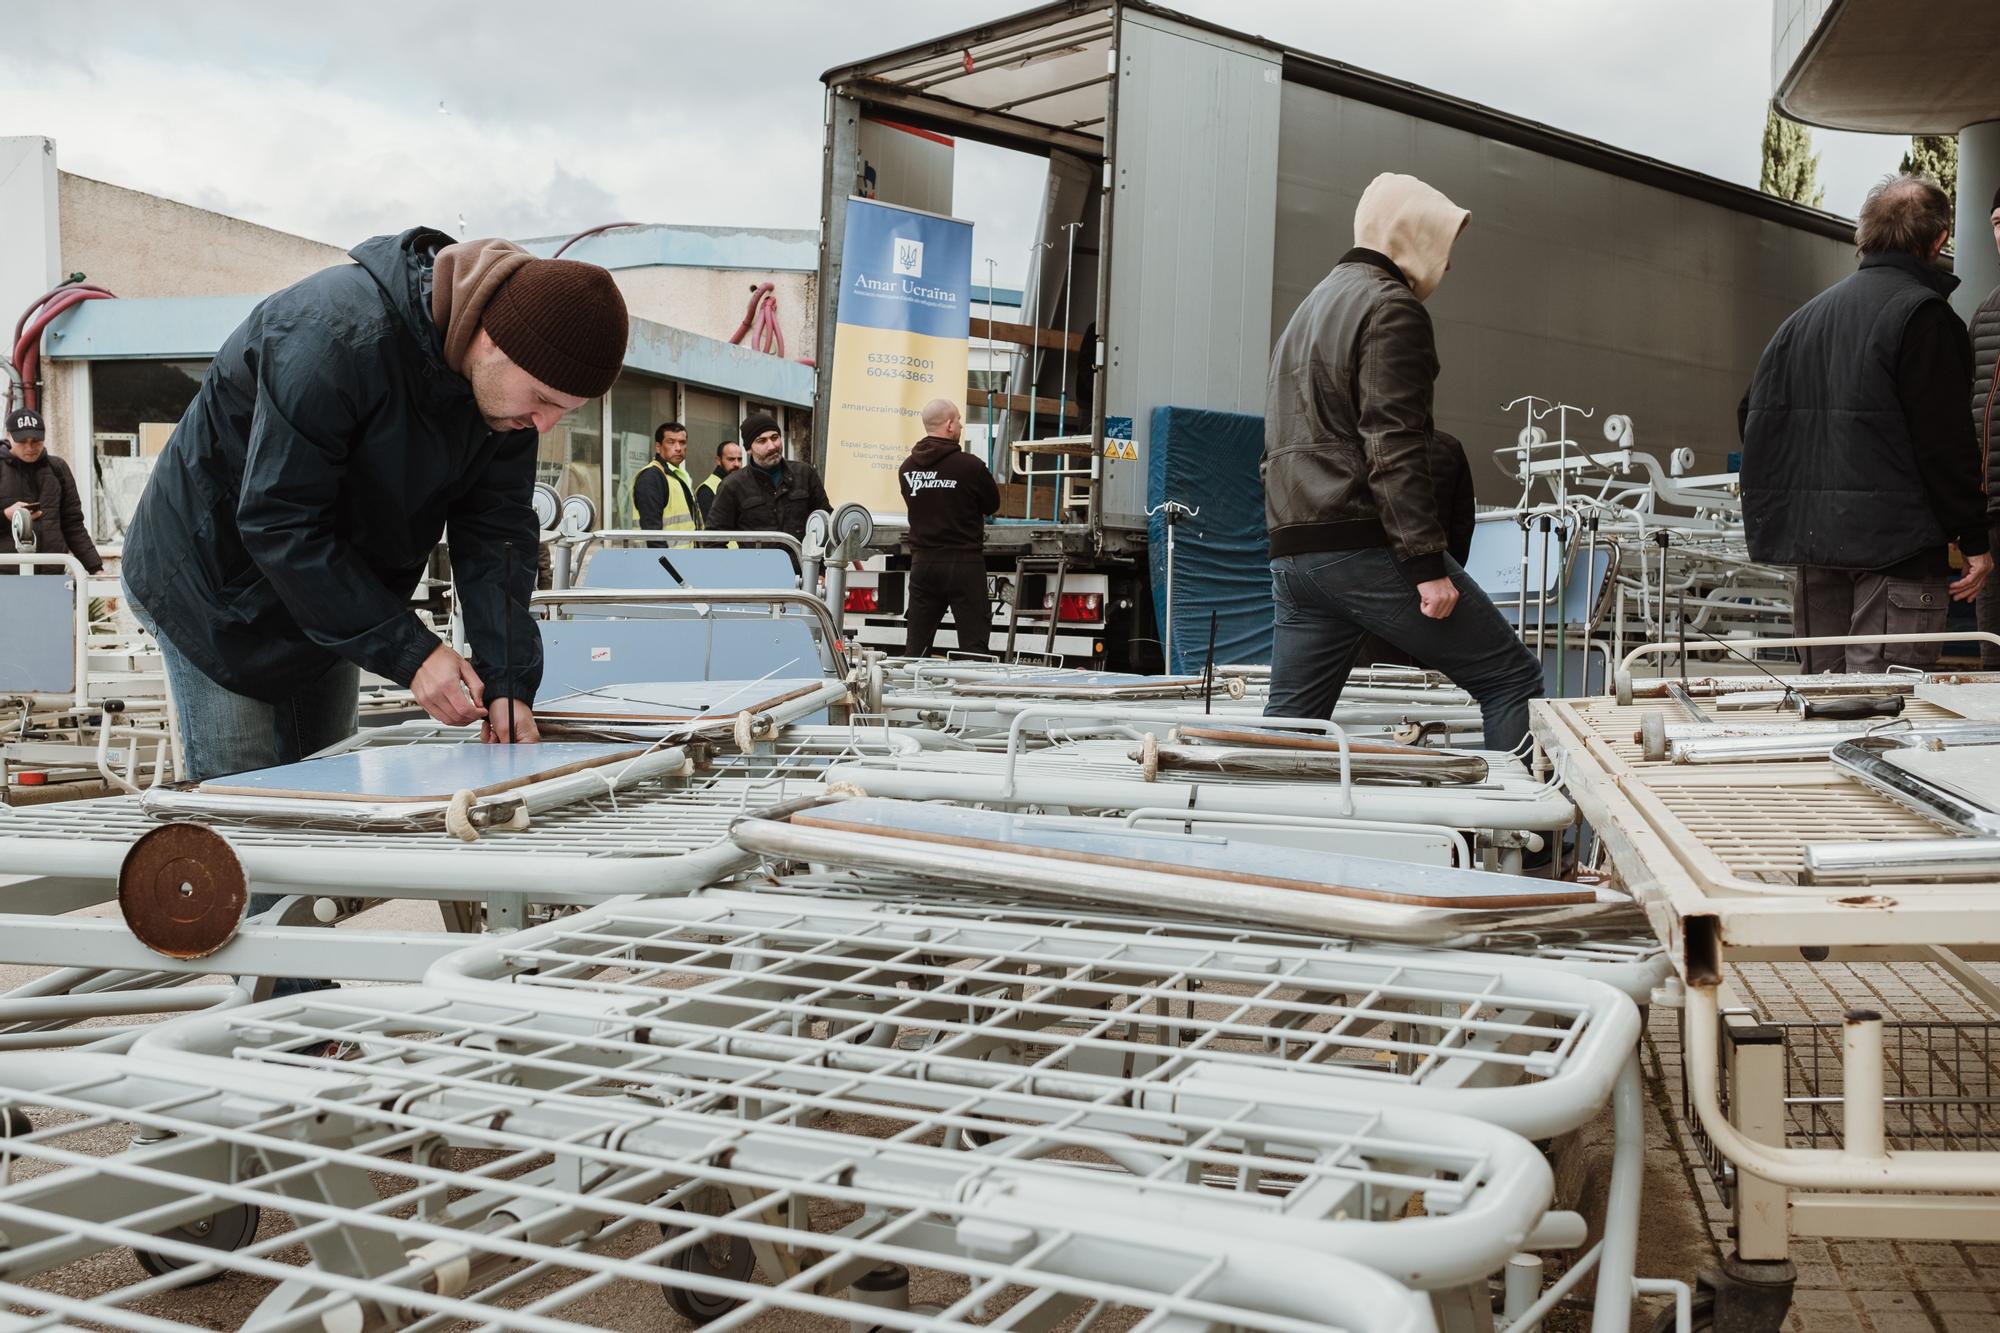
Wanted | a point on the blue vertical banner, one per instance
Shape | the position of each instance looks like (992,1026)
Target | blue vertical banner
(900,334)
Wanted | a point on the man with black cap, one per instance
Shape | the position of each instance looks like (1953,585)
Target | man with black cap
(35,482)
(773,493)
(352,420)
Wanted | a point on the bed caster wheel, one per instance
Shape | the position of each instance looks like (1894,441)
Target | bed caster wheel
(1653,735)
(1701,1311)
(1622,682)
(231,1229)
(1743,1296)
(729,1258)
(14,1123)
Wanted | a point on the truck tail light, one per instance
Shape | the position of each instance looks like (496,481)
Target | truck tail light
(862,599)
(1080,608)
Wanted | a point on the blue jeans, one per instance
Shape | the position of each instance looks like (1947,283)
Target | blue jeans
(1326,601)
(224,732)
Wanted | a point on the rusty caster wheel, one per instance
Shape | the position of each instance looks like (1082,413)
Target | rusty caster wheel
(182,890)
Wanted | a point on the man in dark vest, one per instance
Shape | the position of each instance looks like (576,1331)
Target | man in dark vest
(1985,356)
(1860,468)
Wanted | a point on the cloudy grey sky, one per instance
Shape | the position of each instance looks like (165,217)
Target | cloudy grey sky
(325,119)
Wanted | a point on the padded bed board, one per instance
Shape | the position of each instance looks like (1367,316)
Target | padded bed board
(1243,863)
(716,568)
(419,773)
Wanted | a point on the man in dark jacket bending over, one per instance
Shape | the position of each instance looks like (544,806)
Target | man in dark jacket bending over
(1358,542)
(949,494)
(353,419)
(1860,467)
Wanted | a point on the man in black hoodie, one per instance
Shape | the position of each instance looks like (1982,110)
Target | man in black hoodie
(949,494)
(347,424)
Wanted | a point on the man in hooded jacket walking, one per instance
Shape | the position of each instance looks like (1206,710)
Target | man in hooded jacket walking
(949,495)
(347,424)
(1358,542)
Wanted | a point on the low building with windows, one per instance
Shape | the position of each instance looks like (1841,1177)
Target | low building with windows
(117,374)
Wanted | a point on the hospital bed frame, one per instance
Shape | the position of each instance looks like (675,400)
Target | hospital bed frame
(1022,1044)
(1717,854)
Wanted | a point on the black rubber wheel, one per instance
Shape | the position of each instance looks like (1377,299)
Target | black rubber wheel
(16,1123)
(231,1229)
(1701,1311)
(733,1263)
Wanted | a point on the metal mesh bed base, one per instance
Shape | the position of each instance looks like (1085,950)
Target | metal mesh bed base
(552,1148)
(1724,846)
(1632,964)
(1523,1045)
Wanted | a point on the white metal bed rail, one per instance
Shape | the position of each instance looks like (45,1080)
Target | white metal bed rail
(1096,1016)
(601,1129)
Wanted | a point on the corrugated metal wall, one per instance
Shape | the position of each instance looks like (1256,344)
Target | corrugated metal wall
(1191,230)
(1570,283)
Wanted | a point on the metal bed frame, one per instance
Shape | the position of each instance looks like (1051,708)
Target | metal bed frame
(1096,861)
(750,1073)
(111,720)
(1718,857)
(1633,964)
(1511,809)
(654,823)
(1530,1048)
(614,1154)
(1380,708)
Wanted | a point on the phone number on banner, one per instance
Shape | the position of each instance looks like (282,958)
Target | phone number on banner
(886,365)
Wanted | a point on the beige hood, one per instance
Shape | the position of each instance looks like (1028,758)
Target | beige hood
(466,276)
(1413,224)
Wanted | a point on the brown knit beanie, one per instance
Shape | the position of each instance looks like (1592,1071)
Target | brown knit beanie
(561,321)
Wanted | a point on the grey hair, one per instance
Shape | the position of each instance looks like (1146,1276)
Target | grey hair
(938,411)
(1903,213)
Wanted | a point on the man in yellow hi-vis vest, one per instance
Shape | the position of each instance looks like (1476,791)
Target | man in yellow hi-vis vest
(728,457)
(663,493)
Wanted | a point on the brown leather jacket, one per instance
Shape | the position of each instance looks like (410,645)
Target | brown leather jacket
(1347,421)
(46,484)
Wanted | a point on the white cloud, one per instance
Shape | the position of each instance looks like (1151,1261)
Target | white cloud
(328,125)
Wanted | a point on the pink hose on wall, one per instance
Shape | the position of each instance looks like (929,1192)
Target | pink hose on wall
(760,323)
(27,353)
